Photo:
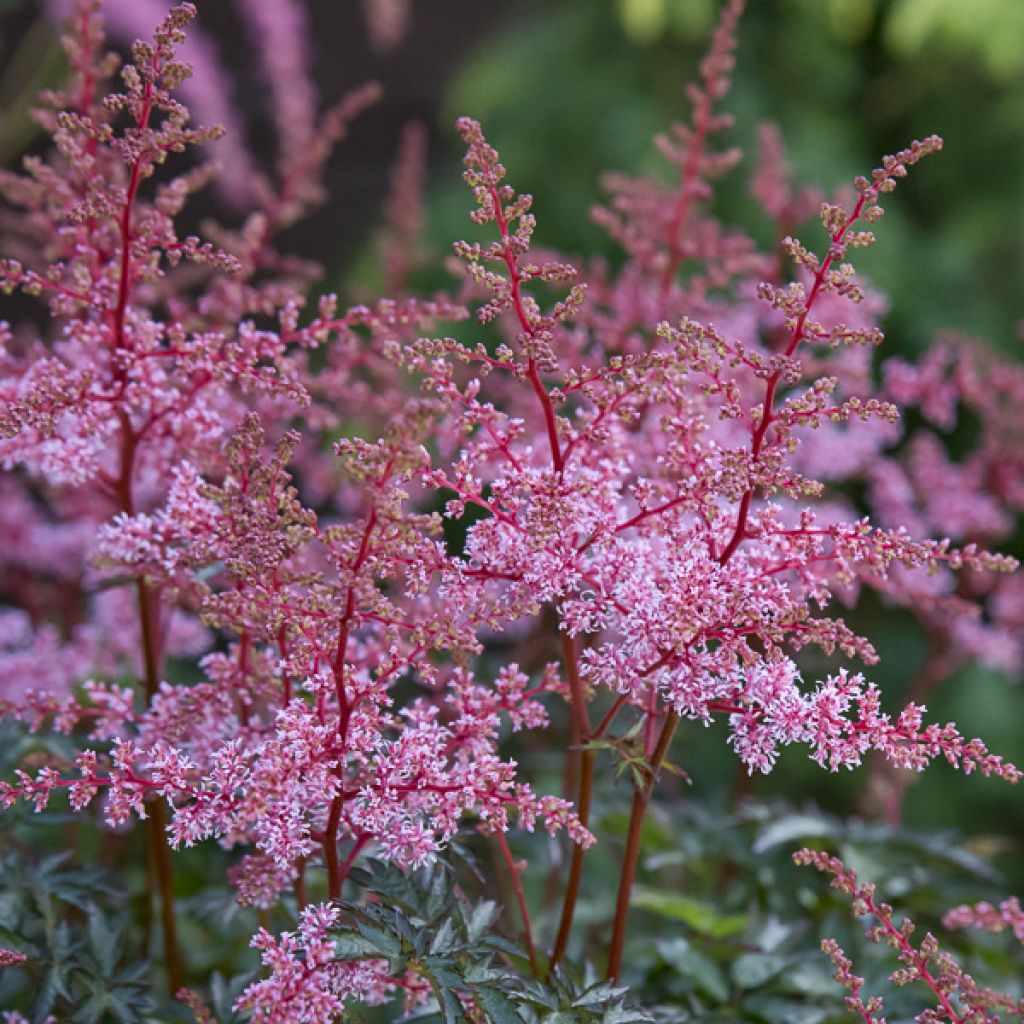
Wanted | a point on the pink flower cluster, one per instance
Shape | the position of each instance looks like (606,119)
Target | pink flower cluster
(1008,915)
(636,459)
(305,982)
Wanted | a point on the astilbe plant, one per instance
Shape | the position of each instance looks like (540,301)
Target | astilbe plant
(630,459)
(955,996)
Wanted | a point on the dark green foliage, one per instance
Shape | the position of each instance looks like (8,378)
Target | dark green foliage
(81,963)
(725,929)
(424,923)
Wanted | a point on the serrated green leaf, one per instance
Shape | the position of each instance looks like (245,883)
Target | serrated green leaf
(352,945)
(437,893)
(444,938)
(540,995)
(624,1015)
(603,992)
(396,921)
(389,882)
(54,986)
(499,943)
(480,920)
(498,1007)
(384,942)
(443,971)
(104,941)
(451,1005)
(483,972)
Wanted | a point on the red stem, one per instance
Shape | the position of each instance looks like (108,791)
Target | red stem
(516,280)
(517,884)
(581,728)
(641,800)
(919,962)
(330,845)
(581,732)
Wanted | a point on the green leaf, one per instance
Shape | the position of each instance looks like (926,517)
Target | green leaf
(624,1015)
(603,992)
(483,972)
(482,917)
(416,937)
(701,917)
(793,828)
(438,892)
(787,1011)
(498,1007)
(444,939)
(810,978)
(443,971)
(383,942)
(451,1006)
(54,986)
(502,945)
(351,945)
(701,970)
(750,970)
(224,992)
(104,941)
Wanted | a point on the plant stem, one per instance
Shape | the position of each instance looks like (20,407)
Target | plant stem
(301,899)
(330,845)
(524,911)
(641,800)
(156,826)
(586,786)
(156,823)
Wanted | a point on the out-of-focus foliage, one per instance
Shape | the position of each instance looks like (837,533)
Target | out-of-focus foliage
(82,963)
(991,29)
(726,929)
(26,66)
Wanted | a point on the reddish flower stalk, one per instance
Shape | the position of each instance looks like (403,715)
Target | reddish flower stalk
(516,873)
(957,997)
